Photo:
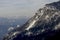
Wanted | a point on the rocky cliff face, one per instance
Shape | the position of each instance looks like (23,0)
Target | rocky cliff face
(45,23)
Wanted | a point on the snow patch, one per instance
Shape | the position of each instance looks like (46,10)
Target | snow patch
(15,33)
(42,30)
(29,33)
(46,17)
(41,12)
(57,27)
(18,25)
(31,24)
(11,28)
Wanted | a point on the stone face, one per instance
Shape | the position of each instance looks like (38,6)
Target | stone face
(44,25)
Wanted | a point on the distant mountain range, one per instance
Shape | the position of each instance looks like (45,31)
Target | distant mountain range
(44,25)
(6,23)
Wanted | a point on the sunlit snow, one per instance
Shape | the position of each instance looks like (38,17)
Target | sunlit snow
(31,24)
(46,17)
(15,33)
(41,12)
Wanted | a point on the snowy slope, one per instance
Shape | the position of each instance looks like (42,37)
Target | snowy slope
(45,22)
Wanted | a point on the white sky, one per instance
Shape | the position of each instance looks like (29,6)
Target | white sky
(12,8)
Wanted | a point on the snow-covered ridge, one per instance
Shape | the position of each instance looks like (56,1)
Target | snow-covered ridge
(45,19)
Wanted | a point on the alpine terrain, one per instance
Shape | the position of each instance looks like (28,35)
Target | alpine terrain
(44,25)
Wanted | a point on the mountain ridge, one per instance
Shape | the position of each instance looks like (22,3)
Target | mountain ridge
(45,23)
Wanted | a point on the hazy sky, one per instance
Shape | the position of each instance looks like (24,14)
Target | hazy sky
(12,8)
